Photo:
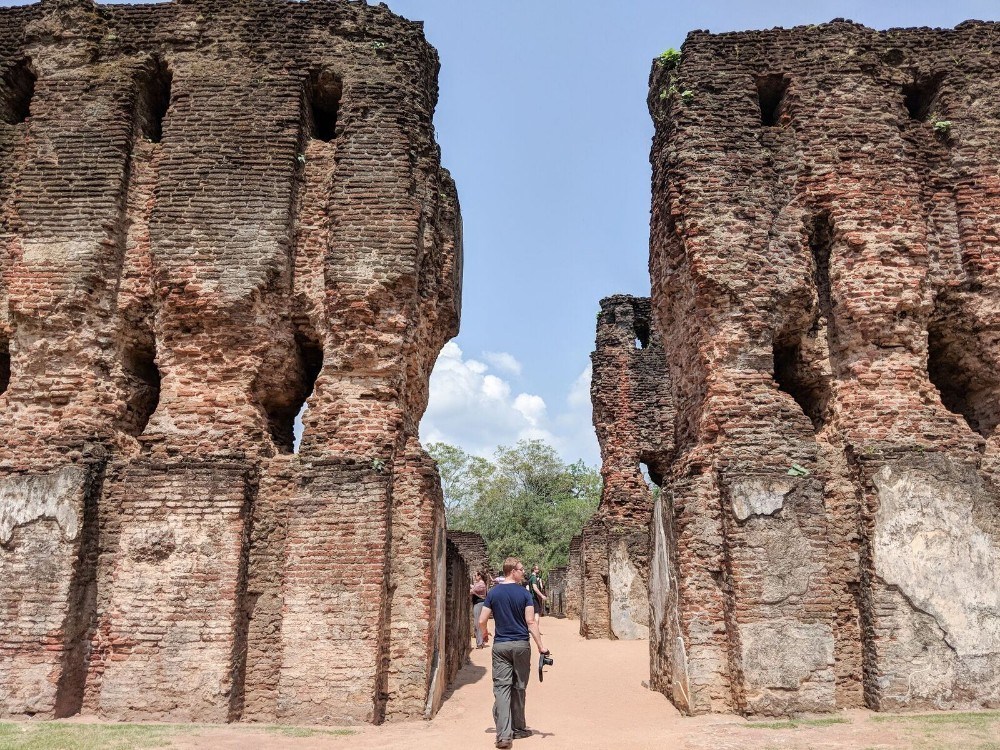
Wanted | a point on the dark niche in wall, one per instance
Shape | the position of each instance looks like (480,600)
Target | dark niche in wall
(967,385)
(323,96)
(283,407)
(143,381)
(153,99)
(18,91)
(920,97)
(4,365)
(771,90)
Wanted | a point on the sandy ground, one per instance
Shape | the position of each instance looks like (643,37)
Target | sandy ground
(595,697)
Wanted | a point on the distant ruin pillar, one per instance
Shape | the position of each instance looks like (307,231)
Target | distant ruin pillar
(633,416)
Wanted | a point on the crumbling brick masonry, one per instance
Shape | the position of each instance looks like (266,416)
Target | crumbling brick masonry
(825,264)
(633,416)
(213,211)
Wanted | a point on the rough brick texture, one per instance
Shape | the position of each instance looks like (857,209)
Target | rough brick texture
(472,548)
(574,579)
(213,211)
(459,620)
(825,267)
(555,585)
(633,416)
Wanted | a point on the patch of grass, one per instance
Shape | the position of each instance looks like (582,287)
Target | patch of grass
(55,735)
(968,730)
(307,731)
(51,735)
(970,719)
(796,723)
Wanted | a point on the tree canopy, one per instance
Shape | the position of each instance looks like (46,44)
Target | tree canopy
(525,501)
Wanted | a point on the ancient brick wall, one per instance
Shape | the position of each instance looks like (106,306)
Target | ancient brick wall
(574,579)
(824,263)
(555,585)
(633,417)
(459,609)
(472,548)
(214,212)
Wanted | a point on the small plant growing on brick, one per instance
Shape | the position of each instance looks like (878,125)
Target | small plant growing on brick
(669,59)
(941,127)
(687,96)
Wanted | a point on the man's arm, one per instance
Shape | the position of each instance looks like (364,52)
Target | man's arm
(529,617)
(484,617)
(536,587)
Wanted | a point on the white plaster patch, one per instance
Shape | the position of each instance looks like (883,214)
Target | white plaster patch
(927,544)
(629,597)
(758,496)
(659,569)
(784,653)
(57,495)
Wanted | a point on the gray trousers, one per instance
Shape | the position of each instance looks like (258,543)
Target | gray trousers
(476,609)
(511,668)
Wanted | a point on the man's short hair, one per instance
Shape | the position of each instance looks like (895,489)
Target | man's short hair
(509,564)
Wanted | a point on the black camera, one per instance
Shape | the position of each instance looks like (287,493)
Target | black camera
(544,659)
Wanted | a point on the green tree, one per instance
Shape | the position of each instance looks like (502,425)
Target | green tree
(525,502)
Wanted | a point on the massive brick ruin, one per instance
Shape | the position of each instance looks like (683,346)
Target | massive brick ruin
(213,211)
(825,266)
(633,417)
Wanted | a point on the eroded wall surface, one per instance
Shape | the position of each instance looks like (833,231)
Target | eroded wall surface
(574,579)
(633,417)
(556,591)
(214,212)
(824,261)
(472,548)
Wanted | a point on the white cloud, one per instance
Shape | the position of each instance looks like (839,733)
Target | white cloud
(579,392)
(478,410)
(532,408)
(504,362)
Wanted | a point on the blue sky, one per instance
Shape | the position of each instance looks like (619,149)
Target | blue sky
(542,121)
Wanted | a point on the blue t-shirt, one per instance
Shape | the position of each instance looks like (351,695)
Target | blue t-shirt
(507,602)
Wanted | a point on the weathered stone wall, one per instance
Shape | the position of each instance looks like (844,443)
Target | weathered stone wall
(824,262)
(212,212)
(633,416)
(472,548)
(556,590)
(574,579)
(459,608)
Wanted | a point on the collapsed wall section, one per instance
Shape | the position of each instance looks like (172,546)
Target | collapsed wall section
(633,417)
(824,264)
(215,213)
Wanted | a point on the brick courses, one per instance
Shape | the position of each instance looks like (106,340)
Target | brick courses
(824,265)
(212,212)
(633,417)
(574,579)
(472,548)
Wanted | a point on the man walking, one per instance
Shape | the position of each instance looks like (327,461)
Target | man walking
(512,609)
(537,591)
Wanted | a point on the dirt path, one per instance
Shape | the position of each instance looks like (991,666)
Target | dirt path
(593,697)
